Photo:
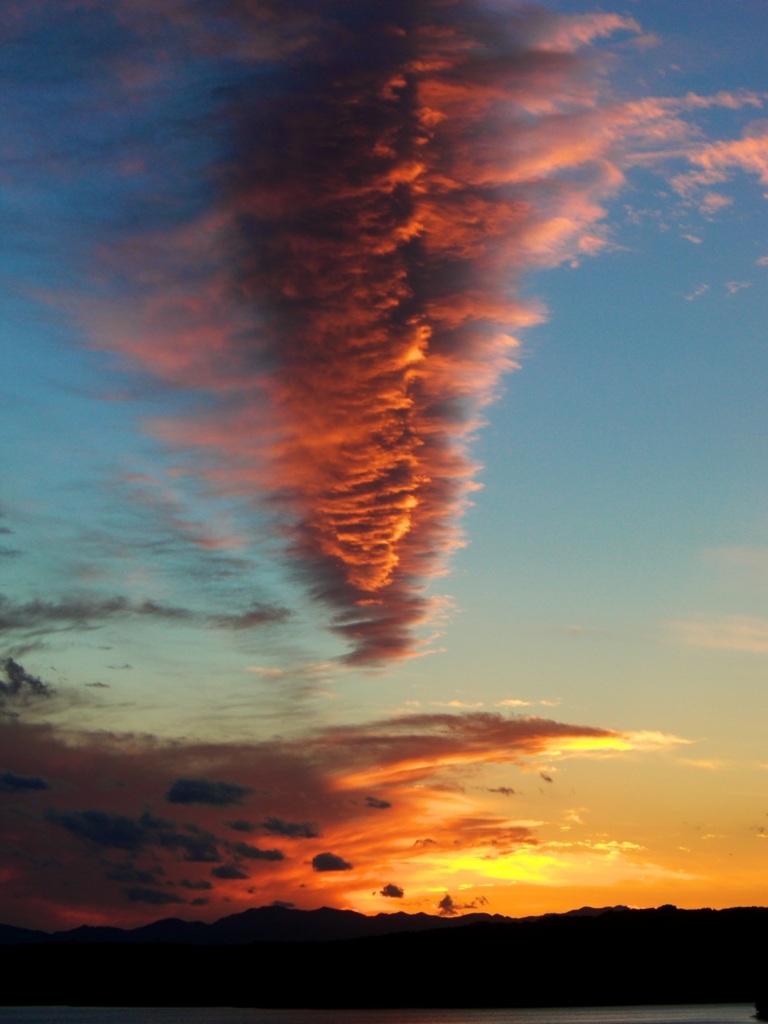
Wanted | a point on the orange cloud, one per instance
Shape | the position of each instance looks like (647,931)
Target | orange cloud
(350,298)
(345,298)
(136,820)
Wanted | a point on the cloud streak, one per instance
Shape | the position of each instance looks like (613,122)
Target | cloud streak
(748,633)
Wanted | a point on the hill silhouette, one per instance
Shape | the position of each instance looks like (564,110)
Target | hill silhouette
(326,958)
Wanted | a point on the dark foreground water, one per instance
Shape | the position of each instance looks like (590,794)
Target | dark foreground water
(730,1013)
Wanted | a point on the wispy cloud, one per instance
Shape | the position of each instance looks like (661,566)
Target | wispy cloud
(748,633)
(82,612)
(698,291)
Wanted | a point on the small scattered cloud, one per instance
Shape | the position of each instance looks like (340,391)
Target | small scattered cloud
(18,687)
(457,704)
(574,816)
(241,825)
(379,805)
(392,891)
(249,852)
(516,702)
(291,829)
(732,287)
(204,791)
(698,291)
(229,872)
(12,783)
(714,202)
(503,790)
(705,763)
(330,862)
(448,907)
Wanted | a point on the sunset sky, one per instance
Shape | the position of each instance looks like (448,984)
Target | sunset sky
(384,509)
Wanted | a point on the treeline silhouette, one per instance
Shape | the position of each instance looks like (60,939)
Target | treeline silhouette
(618,957)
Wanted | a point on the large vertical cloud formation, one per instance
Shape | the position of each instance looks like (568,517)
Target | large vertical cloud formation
(380,205)
(379,227)
(388,173)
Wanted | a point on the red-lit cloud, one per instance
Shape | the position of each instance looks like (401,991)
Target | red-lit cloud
(350,298)
(97,826)
(343,294)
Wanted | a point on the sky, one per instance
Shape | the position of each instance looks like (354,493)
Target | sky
(384,509)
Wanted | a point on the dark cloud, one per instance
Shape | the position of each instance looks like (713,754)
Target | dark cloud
(329,862)
(18,687)
(229,871)
(241,825)
(545,777)
(504,790)
(85,612)
(291,829)
(447,906)
(11,783)
(101,827)
(104,828)
(283,903)
(98,686)
(129,873)
(373,801)
(6,552)
(204,791)
(79,612)
(393,891)
(201,883)
(157,897)
(249,852)
(195,844)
